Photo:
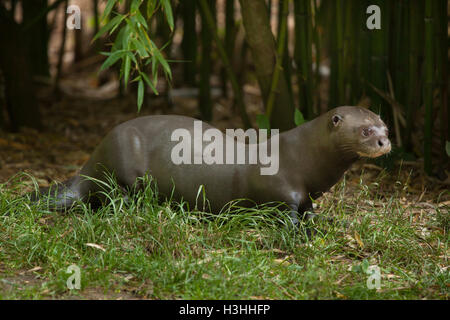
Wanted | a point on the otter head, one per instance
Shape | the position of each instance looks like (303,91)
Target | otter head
(357,131)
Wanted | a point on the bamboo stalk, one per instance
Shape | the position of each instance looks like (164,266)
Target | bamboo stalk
(280,52)
(352,47)
(333,52)
(263,49)
(395,114)
(444,93)
(364,52)
(348,50)
(61,50)
(229,41)
(303,55)
(378,65)
(269,9)
(96,17)
(308,48)
(242,64)
(352,54)
(189,42)
(340,71)
(440,14)
(337,76)
(428,85)
(399,51)
(205,102)
(209,20)
(287,63)
(318,47)
(12,11)
(415,37)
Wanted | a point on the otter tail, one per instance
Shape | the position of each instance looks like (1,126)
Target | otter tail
(59,196)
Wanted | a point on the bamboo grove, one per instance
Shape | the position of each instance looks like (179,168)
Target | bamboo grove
(399,70)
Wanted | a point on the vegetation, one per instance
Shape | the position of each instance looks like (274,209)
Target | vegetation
(133,46)
(145,249)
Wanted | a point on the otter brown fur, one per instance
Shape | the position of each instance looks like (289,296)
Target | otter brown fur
(312,158)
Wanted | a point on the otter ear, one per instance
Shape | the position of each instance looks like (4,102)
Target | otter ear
(336,119)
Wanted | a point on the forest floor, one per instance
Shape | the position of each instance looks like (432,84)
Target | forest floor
(397,220)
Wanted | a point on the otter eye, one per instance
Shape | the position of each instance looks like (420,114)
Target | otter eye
(367,132)
(336,118)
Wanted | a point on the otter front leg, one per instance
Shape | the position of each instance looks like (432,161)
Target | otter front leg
(301,209)
(293,215)
(309,215)
(304,213)
(306,210)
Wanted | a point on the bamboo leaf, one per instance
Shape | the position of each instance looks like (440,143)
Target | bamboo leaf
(126,72)
(140,97)
(151,6)
(361,245)
(112,59)
(140,48)
(126,36)
(162,61)
(146,40)
(150,84)
(108,8)
(133,44)
(154,69)
(135,4)
(262,121)
(132,57)
(298,117)
(168,11)
(141,20)
(113,23)
(447,148)
(118,42)
(118,24)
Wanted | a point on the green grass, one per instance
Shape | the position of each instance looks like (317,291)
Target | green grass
(157,250)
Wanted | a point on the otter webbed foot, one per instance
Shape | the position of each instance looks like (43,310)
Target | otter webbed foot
(305,220)
(297,221)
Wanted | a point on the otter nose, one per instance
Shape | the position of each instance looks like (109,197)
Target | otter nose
(384,142)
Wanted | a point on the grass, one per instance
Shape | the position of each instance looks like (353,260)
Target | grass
(144,249)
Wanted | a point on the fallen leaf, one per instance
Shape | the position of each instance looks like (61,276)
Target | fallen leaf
(358,239)
(340,295)
(283,261)
(94,245)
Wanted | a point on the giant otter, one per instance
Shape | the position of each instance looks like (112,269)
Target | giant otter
(312,158)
